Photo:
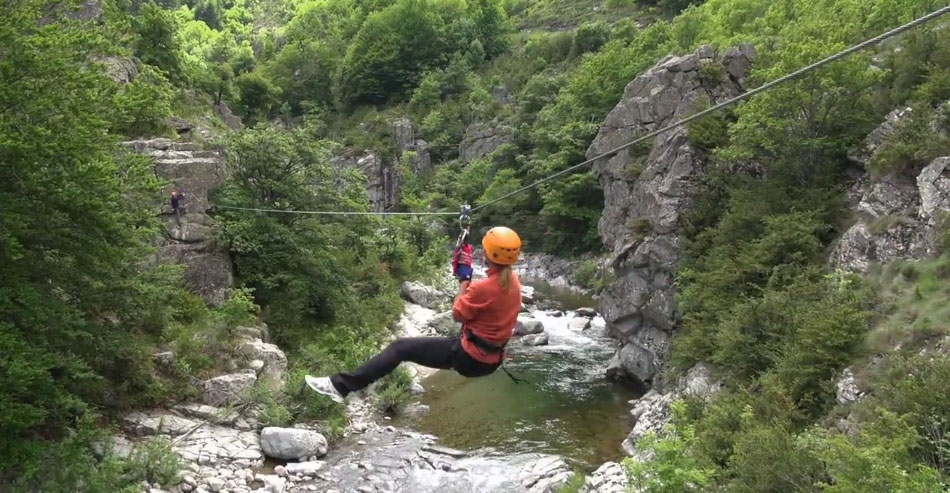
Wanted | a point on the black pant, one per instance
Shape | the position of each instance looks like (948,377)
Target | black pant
(434,352)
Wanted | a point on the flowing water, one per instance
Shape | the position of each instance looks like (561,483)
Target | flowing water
(567,407)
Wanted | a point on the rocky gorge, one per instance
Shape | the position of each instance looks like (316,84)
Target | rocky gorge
(648,194)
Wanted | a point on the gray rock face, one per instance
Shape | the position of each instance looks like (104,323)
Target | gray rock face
(382,180)
(421,162)
(187,240)
(224,112)
(274,360)
(647,195)
(292,443)
(652,411)
(445,325)
(865,151)
(846,389)
(608,478)
(898,217)
(482,139)
(501,95)
(933,184)
(120,70)
(156,423)
(535,340)
(232,388)
(425,296)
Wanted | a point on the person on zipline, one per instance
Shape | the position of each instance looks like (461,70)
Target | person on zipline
(488,310)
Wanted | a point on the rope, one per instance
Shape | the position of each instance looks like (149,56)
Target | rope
(794,75)
(338,213)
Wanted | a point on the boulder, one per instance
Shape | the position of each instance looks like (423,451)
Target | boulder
(275,361)
(648,194)
(228,389)
(535,340)
(528,325)
(610,477)
(308,468)
(258,332)
(292,443)
(527,294)
(425,296)
(445,324)
(586,312)
(545,475)
(579,324)
(164,358)
(224,113)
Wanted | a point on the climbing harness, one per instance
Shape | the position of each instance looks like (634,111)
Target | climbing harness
(491,349)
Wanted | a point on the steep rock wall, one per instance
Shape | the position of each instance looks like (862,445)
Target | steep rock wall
(187,239)
(648,193)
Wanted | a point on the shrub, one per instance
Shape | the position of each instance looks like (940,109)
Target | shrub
(392,391)
(669,464)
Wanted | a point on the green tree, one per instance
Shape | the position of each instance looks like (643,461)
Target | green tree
(392,49)
(78,216)
(157,41)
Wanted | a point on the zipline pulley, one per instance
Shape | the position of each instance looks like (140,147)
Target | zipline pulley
(465,224)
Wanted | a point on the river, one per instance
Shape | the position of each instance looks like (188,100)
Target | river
(566,408)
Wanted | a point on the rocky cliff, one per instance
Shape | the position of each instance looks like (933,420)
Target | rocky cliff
(896,216)
(187,239)
(647,193)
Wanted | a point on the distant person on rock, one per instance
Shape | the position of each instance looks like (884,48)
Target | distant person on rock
(488,310)
(178,207)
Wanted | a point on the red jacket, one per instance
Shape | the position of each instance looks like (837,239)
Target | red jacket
(489,313)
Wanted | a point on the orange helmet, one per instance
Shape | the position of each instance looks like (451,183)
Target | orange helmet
(502,245)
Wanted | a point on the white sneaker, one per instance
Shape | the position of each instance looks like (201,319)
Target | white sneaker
(324,386)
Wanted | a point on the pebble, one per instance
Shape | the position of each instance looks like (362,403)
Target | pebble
(365,489)
(280,471)
(390,429)
(185,487)
(311,488)
(189,480)
(361,442)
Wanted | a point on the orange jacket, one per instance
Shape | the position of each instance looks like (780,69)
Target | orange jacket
(489,313)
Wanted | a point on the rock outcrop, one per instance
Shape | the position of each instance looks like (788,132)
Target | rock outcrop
(425,296)
(421,162)
(382,179)
(188,235)
(648,193)
(608,478)
(482,139)
(652,411)
(897,216)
